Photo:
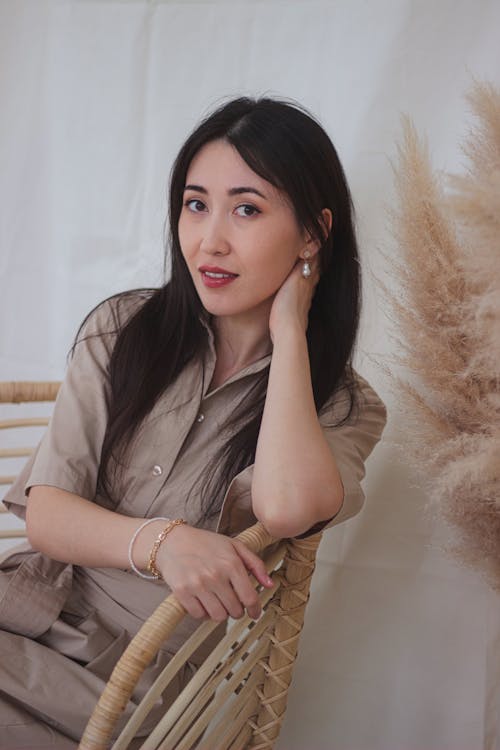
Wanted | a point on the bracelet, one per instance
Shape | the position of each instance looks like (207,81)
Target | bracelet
(131,546)
(156,546)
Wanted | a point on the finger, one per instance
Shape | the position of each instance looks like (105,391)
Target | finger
(213,605)
(246,593)
(192,605)
(253,563)
(229,599)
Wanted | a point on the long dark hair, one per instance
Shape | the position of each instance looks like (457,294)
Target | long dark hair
(286,146)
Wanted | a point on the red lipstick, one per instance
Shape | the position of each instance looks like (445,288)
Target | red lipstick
(214,276)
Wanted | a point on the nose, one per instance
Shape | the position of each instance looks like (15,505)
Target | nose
(214,239)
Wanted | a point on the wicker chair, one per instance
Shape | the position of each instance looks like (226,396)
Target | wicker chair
(17,393)
(237,697)
(245,678)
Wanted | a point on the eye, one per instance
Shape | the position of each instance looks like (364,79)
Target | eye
(248,207)
(197,202)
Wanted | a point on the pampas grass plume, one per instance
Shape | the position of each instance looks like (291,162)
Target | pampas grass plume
(446,316)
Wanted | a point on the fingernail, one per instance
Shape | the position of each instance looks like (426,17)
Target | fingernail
(269,580)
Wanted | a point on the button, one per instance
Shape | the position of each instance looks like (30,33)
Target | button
(200,417)
(157,470)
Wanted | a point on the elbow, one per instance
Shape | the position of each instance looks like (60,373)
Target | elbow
(287,528)
(295,516)
(32,529)
(34,522)
(275,519)
(277,528)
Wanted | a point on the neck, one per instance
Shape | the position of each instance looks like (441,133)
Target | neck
(242,339)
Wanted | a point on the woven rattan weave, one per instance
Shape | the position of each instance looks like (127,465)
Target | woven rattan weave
(17,392)
(237,698)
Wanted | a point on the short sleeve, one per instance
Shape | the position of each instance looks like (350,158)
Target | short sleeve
(69,453)
(351,438)
(351,443)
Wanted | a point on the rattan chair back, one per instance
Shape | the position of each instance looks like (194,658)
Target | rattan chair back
(20,392)
(237,697)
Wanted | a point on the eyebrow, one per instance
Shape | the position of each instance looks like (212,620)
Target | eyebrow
(231,191)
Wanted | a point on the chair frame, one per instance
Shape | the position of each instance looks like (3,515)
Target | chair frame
(17,392)
(261,682)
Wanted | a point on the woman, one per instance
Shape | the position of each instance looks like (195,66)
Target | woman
(223,397)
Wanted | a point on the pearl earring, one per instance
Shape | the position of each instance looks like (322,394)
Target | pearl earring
(306,267)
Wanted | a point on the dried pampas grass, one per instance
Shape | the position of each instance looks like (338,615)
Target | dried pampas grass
(446,314)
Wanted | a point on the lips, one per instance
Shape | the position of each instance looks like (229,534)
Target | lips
(214,277)
(217,272)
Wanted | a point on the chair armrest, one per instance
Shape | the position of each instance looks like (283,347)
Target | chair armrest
(140,652)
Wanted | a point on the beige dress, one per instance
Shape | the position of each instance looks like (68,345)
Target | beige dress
(62,626)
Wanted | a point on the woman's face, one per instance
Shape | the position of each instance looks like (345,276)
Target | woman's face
(238,233)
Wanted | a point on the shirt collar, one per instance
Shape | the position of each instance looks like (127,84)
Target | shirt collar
(210,358)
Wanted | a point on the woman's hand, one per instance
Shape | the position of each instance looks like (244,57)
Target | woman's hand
(207,572)
(293,299)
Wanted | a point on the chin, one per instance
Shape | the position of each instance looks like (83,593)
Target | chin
(224,310)
(223,304)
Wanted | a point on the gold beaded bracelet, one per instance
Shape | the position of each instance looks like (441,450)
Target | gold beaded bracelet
(156,546)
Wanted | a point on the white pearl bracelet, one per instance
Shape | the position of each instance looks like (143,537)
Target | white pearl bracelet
(131,546)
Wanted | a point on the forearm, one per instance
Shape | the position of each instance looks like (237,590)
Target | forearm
(71,529)
(206,571)
(296,481)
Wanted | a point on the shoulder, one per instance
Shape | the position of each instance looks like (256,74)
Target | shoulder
(353,422)
(97,335)
(111,315)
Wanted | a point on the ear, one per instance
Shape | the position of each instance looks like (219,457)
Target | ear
(312,244)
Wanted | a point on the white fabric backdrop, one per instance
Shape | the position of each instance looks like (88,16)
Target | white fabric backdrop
(401,646)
